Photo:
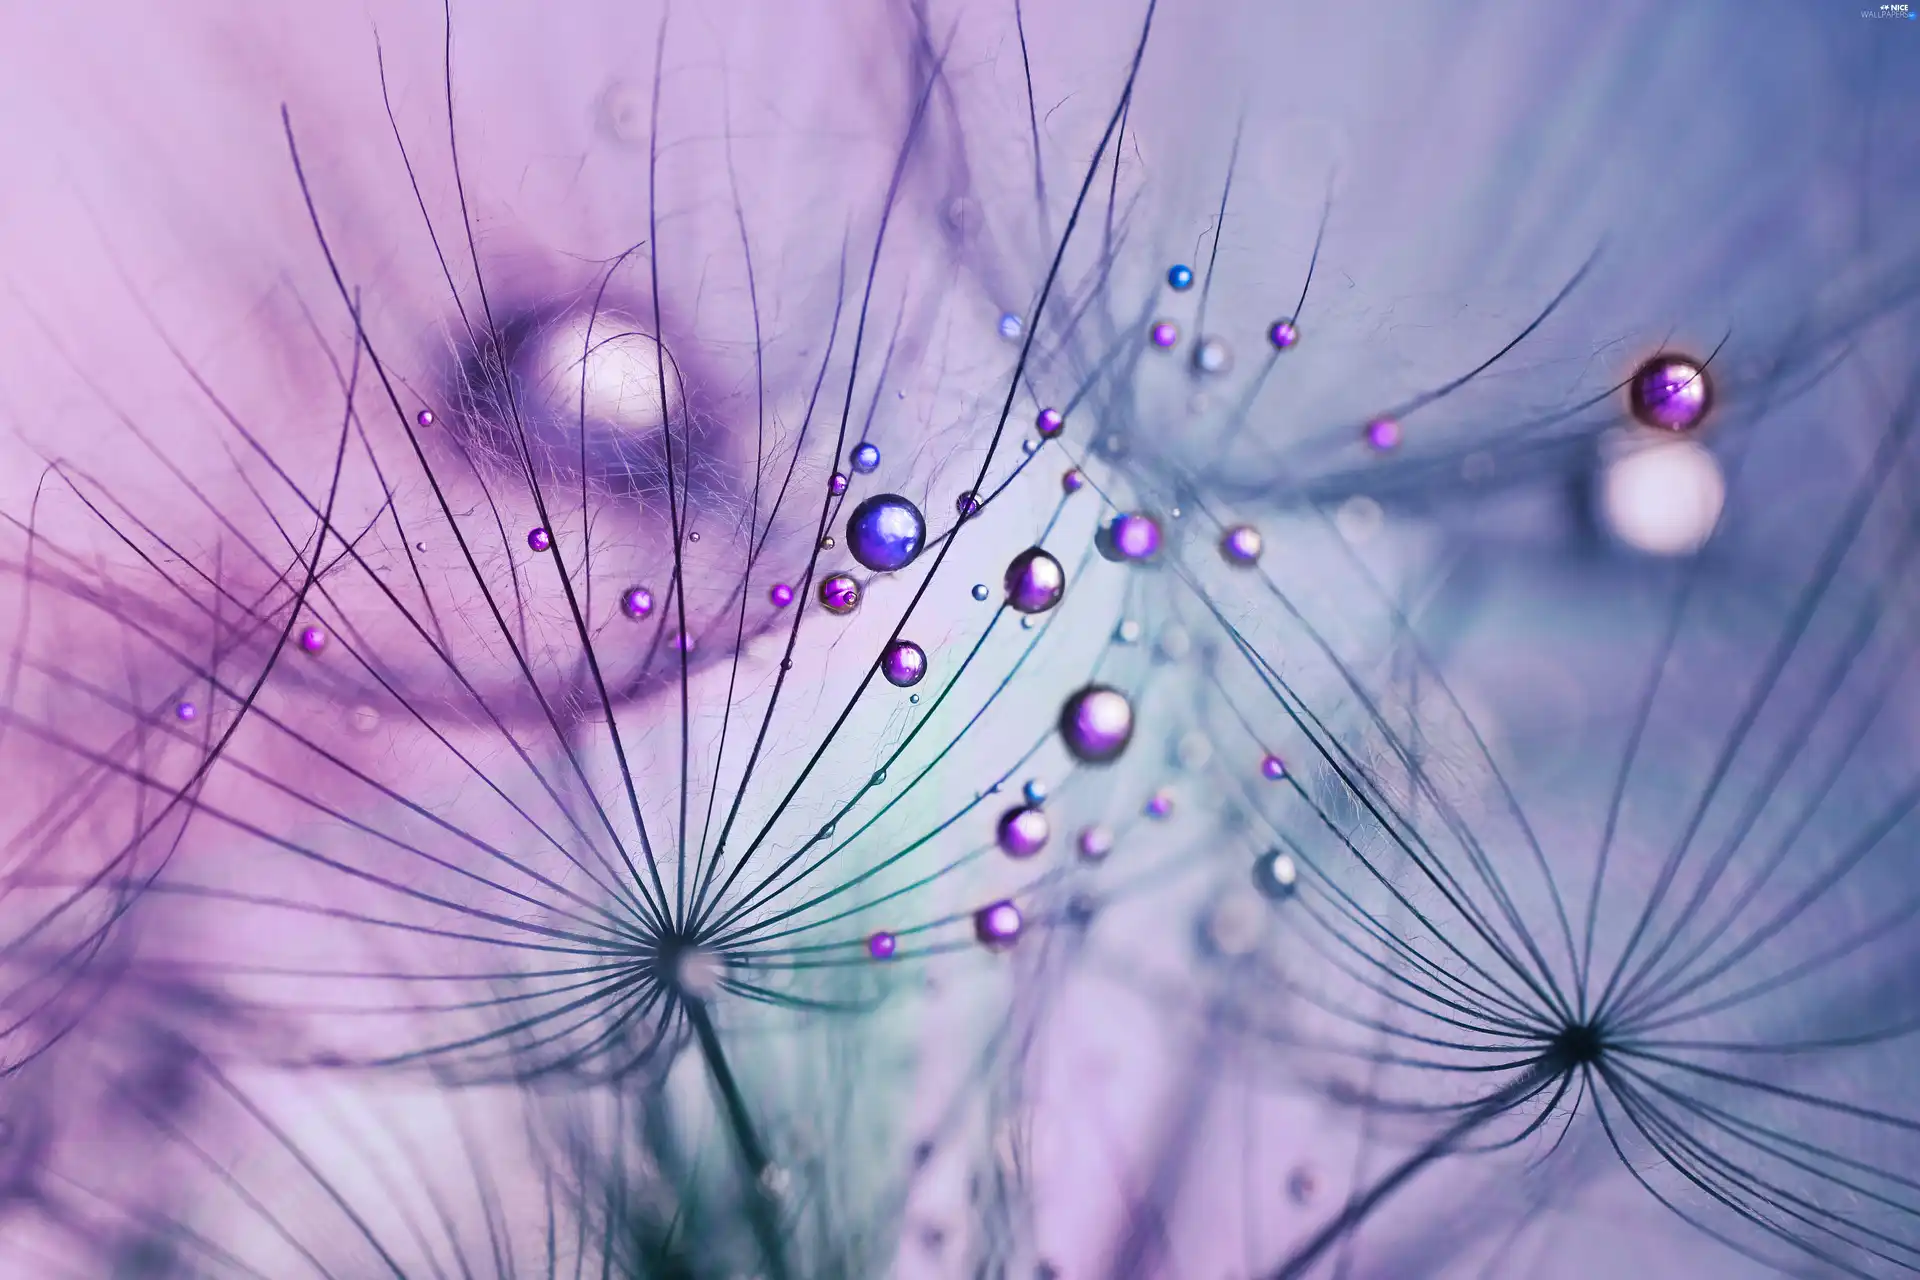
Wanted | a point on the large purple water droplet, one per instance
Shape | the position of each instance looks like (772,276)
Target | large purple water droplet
(886,532)
(1035,581)
(1097,724)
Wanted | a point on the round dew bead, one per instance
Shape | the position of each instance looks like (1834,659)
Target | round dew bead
(997,925)
(886,532)
(1241,545)
(1131,536)
(839,594)
(904,664)
(1023,831)
(1383,435)
(1035,581)
(1096,724)
(1094,843)
(1670,393)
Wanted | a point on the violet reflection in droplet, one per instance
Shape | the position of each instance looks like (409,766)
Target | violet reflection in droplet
(637,603)
(313,639)
(1050,423)
(1283,335)
(186,711)
(1164,334)
(882,945)
(886,532)
(1159,805)
(781,594)
(1096,724)
(837,484)
(424,417)
(539,539)
(839,594)
(1670,392)
(1383,435)
(1023,831)
(1241,545)
(1071,480)
(967,505)
(903,664)
(1272,767)
(997,925)
(865,457)
(1035,581)
(1130,536)
(1094,843)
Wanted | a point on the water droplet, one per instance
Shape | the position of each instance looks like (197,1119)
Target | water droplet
(1212,356)
(1096,724)
(1241,545)
(839,594)
(997,925)
(886,532)
(1095,842)
(904,663)
(1274,874)
(1670,392)
(1132,536)
(1035,581)
(1022,831)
